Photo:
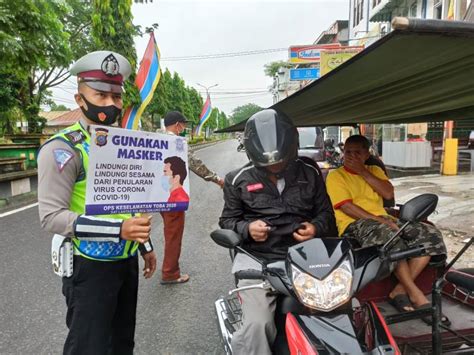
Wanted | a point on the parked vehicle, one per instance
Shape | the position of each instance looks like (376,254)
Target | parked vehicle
(327,303)
(311,145)
(241,147)
(333,153)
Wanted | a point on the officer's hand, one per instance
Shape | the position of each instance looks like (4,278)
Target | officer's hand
(306,233)
(258,230)
(136,229)
(150,264)
(220,182)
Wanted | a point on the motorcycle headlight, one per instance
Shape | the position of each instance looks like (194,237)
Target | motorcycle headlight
(326,294)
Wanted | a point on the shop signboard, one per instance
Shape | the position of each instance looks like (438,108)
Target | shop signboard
(304,74)
(331,59)
(308,53)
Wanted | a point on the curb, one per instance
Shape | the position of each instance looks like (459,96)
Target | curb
(19,201)
(196,147)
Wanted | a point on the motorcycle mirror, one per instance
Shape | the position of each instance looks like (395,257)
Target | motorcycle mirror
(418,208)
(226,238)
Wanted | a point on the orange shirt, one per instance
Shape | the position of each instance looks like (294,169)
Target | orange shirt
(344,186)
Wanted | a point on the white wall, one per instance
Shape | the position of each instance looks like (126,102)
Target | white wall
(361,29)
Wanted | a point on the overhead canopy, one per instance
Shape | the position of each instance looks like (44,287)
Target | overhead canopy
(384,14)
(422,71)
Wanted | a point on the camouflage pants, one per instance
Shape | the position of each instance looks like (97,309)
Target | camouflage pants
(369,232)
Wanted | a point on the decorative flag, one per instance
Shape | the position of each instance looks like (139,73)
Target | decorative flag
(205,114)
(451,10)
(147,79)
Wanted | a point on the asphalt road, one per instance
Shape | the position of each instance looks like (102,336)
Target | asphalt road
(172,319)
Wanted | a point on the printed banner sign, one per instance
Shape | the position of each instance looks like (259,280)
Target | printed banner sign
(308,54)
(331,59)
(133,171)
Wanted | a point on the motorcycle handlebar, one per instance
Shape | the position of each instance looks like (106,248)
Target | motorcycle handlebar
(249,275)
(416,251)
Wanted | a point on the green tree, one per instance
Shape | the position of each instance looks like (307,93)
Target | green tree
(241,113)
(113,29)
(39,40)
(8,122)
(55,107)
(195,103)
(161,102)
(223,120)
(272,68)
(33,41)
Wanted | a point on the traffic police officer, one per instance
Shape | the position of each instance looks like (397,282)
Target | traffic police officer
(101,295)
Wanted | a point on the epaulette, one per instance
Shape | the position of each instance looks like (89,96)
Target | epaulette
(75,137)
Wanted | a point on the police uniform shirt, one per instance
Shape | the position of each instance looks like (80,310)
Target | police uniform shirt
(56,179)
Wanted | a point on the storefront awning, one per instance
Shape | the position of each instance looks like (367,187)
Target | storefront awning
(384,13)
(423,71)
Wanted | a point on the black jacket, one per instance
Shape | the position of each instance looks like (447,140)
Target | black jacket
(249,195)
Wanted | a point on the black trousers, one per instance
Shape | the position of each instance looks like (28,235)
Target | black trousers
(101,298)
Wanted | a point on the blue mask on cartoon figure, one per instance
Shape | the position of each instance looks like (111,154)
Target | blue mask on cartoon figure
(165,183)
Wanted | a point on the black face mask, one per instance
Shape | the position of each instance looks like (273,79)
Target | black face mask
(105,115)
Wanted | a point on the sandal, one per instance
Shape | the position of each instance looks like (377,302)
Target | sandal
(180,280)
(444,320)
(400,302)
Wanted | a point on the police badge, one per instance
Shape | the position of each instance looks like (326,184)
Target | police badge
(110,65)
(180,142)
(101,135)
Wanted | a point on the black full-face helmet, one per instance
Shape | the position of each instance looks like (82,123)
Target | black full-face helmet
(270,138)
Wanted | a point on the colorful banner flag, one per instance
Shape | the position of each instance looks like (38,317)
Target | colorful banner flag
(147,79)
(451,10)
(205,114)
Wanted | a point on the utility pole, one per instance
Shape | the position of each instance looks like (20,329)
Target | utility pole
(207,95)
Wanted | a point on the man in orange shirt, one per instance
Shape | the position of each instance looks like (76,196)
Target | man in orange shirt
(357,192)
(173,222)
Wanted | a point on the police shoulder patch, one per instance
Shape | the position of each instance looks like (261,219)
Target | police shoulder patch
(62,157)
(75,137)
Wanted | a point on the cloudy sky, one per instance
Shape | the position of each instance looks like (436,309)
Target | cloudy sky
(190,28)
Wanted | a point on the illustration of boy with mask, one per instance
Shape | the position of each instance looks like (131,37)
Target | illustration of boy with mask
(174,174)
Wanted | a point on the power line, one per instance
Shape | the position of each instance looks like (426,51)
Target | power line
(234,92)
(239,96)
(237,89)
(67,91)
(224,55)
(64,100)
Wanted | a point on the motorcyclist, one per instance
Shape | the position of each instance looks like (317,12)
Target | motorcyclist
(274,202)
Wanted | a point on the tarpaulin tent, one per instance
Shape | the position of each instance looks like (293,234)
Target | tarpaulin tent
(422,71)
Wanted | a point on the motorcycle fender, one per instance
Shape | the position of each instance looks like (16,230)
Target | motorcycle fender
(331,334)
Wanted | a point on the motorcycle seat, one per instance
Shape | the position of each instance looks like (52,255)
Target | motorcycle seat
(463,278)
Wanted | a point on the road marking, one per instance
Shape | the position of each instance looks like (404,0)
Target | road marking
(18,210)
